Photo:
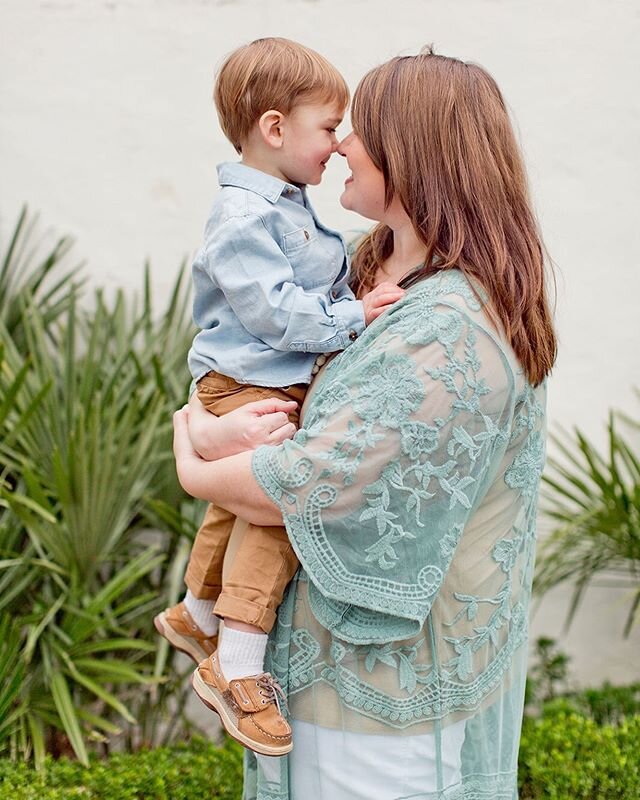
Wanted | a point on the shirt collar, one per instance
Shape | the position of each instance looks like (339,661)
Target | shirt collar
(267,186)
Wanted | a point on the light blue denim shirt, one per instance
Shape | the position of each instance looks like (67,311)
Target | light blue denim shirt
(270,284)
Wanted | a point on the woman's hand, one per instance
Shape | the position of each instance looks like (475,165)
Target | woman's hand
(230,482)
(379,299)
(186,456)
(193,471)
(248,427)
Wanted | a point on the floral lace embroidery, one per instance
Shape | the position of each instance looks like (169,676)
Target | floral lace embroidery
(426,695)
(383,397)
(373,648)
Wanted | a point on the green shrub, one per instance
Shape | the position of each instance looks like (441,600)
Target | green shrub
(609,704)
(563,756)
(548,675)
(182,772)
(567,756)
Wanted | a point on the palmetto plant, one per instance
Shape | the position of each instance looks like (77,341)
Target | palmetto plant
(34,271)
(85,471)
(593,499)
(11,677)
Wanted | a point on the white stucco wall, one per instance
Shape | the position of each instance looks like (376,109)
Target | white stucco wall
(106,128)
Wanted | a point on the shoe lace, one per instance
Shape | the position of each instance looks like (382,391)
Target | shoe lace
(273,690)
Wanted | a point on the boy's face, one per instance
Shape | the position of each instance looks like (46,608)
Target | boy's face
(308,142)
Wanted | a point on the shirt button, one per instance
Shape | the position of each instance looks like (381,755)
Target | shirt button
(321,359)
(353,335)
(315,369)
(306,235)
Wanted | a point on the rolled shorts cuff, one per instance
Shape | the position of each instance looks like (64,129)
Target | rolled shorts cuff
(200,588)
(245,611)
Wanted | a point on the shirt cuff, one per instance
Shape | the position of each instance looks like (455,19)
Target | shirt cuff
(350,318)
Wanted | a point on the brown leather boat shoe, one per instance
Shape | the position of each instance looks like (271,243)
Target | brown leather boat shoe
(249,708)
(177,626)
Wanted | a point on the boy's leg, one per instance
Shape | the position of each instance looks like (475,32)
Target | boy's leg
(191,625)
(204,571)
(232,681)
(265,561)
(262,568)
(220,394)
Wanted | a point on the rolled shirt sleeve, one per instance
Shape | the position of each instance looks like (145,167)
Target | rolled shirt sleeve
(259,284)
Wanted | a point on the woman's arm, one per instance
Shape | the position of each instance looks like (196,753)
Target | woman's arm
(227,482)
(260,422)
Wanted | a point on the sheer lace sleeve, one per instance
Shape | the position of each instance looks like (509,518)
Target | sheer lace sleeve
(401,438)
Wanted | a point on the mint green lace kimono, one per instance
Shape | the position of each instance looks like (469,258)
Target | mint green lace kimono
(409,495)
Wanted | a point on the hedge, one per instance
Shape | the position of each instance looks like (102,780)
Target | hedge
(184,772)
(563,756)
(567,756)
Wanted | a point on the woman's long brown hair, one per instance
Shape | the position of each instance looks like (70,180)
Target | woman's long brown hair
(439,131)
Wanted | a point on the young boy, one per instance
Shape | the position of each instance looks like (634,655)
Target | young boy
(271,298)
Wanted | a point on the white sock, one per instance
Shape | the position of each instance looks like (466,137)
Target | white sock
(241,654)
(202,613)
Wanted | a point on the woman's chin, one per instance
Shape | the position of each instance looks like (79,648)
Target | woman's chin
(344,200)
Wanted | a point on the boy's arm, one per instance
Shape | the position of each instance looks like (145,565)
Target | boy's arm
(259,284)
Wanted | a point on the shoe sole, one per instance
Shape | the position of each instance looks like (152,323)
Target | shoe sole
(214,701)
(181,643)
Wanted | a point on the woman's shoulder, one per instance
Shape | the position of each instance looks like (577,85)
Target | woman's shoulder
(451,291)
(447,295)
(448,287)
(448,310)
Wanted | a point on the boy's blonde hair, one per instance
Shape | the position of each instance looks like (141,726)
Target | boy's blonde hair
(272,73)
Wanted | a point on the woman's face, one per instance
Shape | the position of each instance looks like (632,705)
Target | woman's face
(364,188)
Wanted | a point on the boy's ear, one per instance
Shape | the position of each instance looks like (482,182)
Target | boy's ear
(270,126)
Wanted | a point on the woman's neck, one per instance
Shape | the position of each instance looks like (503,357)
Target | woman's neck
(408,252)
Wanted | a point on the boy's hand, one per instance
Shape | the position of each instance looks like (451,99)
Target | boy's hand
(260,422)
(379,299)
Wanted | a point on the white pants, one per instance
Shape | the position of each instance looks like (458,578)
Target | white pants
(329,764)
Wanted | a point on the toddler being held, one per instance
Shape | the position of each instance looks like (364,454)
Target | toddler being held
(271,301)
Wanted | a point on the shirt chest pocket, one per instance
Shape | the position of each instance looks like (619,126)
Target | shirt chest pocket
(312,265)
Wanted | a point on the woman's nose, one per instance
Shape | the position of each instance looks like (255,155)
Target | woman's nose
(344,144)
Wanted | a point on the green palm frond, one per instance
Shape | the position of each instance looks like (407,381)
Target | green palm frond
(593,500)
(11,679)
(87,393)
(33,270)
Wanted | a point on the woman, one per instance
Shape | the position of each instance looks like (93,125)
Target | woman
(409,493)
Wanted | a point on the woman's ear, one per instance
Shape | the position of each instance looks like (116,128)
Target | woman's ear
(270,126)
